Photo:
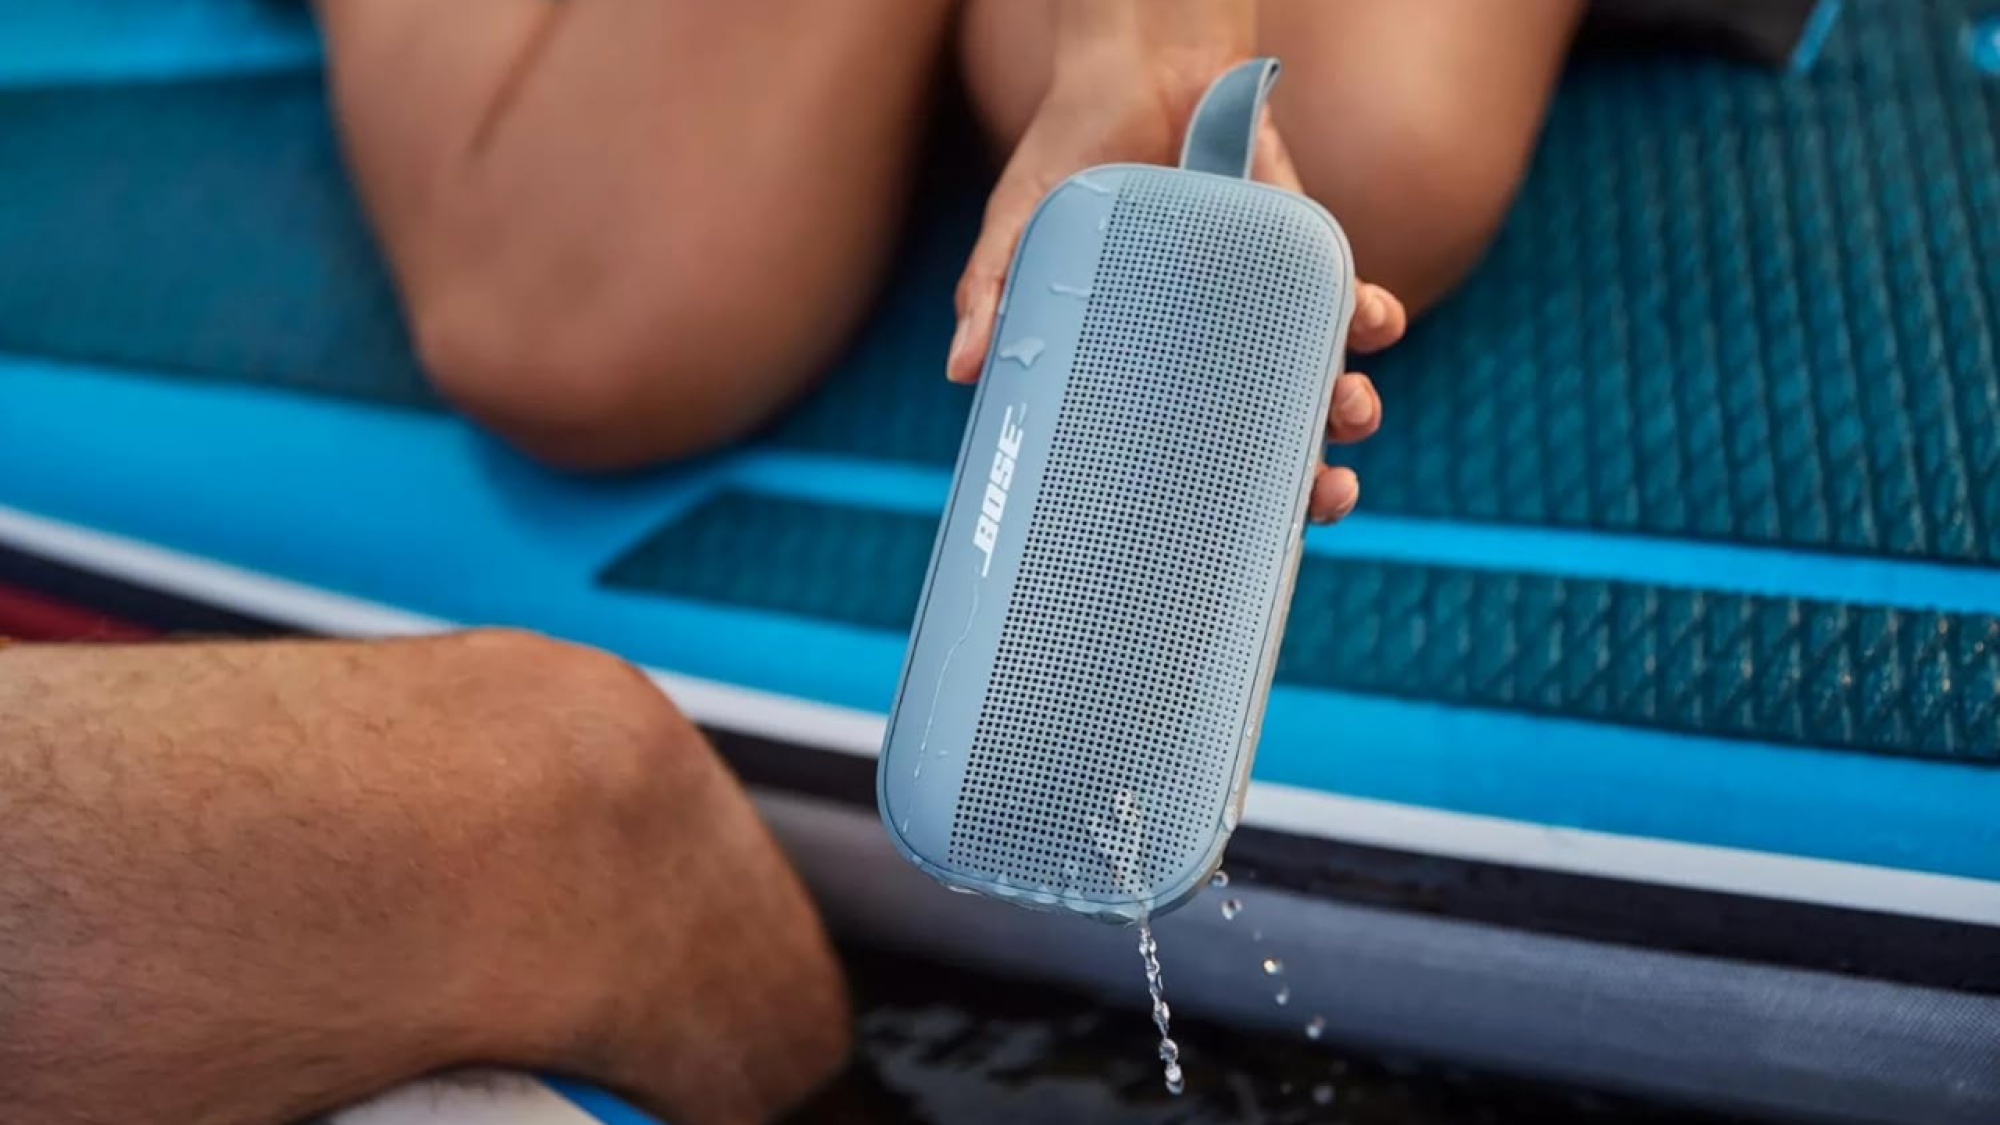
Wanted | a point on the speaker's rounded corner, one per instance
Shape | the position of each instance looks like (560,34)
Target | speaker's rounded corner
(1193,880)
(1099,179)
(884,806)
(1341,246)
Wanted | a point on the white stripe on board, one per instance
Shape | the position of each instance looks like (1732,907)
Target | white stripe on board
(778,717)
(468,1098)
(1296,811)
(1580,851)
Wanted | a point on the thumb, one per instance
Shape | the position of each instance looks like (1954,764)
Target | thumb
(978,295)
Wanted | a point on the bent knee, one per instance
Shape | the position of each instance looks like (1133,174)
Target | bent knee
(620,382)
(532,670)
(582,730)
(1420,165)
(1418,189)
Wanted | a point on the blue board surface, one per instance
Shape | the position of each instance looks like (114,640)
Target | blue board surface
(1732,360)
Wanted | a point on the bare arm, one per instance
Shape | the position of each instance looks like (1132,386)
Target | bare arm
(244,883)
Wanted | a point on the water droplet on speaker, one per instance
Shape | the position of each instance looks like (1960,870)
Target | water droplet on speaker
(1024,351)
(1231,907)
(1273,967)
(1230,814)
(1315,1027)
(906,824)
(1069,290)
(1219,879)
(1322,1094)
(1256,935)
(1104,222)
(1284,995)
(1170,1051)
(1088,184)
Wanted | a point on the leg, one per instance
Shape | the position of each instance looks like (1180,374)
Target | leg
(1411,120)
(247,883)
(629,230)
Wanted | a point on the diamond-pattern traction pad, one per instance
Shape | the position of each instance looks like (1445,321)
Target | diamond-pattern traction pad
(1775,669)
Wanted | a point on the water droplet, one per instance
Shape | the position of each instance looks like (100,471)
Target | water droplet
(1231,907)
(1322,1094)
(1219,879)
(1069,290)
(906,824)
(1024,351)
(1230,815)
(1273,967)
(1104,222)
(1284,995)
(1315,1027)
(1256,935)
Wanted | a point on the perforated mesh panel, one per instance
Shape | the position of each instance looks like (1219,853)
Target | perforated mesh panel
(1129,656)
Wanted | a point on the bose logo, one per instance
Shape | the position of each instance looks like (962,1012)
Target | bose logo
(986,534)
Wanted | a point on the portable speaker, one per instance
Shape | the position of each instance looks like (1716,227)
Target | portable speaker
(1088,668)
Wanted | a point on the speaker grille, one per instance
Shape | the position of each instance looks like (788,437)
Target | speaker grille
(1128,658)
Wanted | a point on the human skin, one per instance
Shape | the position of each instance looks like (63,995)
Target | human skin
(247,882)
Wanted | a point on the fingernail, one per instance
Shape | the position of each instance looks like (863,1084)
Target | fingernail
(1335,510)
(1341,509)
(958,336)
(1352,403)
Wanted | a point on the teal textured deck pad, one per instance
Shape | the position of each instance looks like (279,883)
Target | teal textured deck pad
(195,228)
(1774,669)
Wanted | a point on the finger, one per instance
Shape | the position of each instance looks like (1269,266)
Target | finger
(1357,409)
(1335,492)
(1270,160)
(1379,319)
(978,294)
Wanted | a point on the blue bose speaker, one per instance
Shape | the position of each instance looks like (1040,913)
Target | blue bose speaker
(1080,702)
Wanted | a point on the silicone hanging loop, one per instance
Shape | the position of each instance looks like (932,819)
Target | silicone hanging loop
(1223,134)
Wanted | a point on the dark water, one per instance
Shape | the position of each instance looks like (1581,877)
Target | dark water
(937,1045)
